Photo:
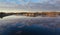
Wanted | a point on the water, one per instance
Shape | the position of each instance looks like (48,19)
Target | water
(22,25)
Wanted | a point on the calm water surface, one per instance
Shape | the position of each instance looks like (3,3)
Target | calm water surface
(22,25)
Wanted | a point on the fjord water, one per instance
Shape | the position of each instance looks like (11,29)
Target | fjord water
(22,25)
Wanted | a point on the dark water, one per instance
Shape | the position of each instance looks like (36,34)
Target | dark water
(19,25)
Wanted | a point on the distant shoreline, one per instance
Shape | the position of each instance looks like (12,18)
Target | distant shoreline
(30,14)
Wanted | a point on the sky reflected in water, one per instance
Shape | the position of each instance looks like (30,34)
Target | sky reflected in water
(22,25)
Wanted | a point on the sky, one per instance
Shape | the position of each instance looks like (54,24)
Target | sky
(29,5)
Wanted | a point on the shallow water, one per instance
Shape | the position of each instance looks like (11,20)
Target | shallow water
(22,25)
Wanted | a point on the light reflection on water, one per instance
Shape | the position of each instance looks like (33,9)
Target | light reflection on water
(12,17)
(29,25)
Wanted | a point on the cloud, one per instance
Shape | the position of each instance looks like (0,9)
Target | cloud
(44,5)
(51,5)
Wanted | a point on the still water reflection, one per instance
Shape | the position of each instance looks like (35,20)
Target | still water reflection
(22,25)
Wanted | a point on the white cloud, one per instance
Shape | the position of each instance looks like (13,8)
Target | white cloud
(46,5)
